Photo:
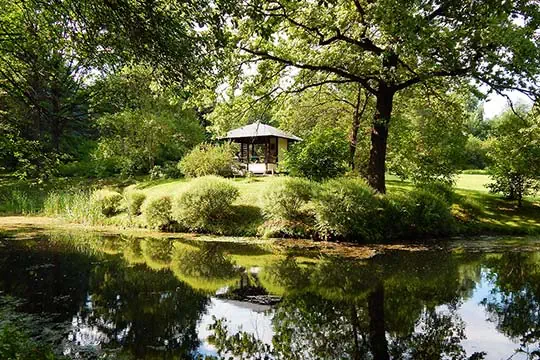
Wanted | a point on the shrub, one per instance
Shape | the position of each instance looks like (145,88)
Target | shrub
(515,152)
(157,212)
(207,159)
(134,201)
(440,188)
(322,155)
(430,214)
(156,173)
(345,208)
(206,202)
(395,216)
(110,202)
(84,168)
(287,199)
(17,344)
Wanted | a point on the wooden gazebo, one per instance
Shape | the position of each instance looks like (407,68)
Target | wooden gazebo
(261,146)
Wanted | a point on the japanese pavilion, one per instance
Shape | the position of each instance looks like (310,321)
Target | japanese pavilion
(261,146)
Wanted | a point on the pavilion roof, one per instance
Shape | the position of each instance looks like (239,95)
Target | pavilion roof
(259,130)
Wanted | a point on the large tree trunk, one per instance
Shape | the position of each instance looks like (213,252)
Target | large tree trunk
(379,138)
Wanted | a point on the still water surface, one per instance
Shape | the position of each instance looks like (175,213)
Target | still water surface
(114,297)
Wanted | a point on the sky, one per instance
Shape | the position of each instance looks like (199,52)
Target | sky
(495,104)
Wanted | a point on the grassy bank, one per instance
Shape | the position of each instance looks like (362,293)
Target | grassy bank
(492,214)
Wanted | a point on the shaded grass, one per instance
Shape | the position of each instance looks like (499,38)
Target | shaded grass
(493,214)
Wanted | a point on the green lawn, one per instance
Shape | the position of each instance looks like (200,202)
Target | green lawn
(250,189)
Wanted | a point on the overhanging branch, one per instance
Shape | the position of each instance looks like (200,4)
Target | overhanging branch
(322,68)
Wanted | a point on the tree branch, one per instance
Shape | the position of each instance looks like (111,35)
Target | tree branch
(323,68)
(320,83)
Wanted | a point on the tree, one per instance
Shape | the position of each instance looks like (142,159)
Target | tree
(388,46)
(142,122)
(337,106)
(515,152)
(322,155)
(428,140)
(41,91)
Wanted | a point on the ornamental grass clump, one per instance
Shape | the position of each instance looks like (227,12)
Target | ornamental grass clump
(430,214)
(108,201)
(347,208)
(287,209)
(76,206)
(134,200)
(206,204)
(157,213)
(288,199)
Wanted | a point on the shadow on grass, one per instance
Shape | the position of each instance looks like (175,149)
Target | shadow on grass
(499,215)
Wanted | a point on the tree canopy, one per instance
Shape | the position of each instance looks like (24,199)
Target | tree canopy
(388,46)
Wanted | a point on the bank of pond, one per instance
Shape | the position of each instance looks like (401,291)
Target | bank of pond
(343,209)
(88,296)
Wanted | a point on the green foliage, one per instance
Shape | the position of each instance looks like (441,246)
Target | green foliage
(418,213)
(134,141)
(476,154)
(206,202)
(286,206)
(134,200)
(15,344)
(316,45)
(325,108)
(440,188)
(349,209)
(344,208)
(21,201)
(322,155)
(110,202)
(287,200)
(144,124)
(169,170)
(43,102)
(430,214)
(208,159)
(75,206)
(515,151)
(395,216)
(157,212)
(427,140)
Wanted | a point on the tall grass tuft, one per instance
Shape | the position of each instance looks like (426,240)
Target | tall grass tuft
(25,202)
(75,206)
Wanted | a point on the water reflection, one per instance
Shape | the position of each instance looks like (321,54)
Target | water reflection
(135,298)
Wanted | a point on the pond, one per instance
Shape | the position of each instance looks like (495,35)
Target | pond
(93,296)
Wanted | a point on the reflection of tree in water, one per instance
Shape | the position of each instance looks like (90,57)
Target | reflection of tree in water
(132,251)
(143,311)
(514,302)
(157,252)
(385,307)
(203,267)
(50,279)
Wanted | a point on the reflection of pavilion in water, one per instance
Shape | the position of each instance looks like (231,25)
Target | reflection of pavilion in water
(249,294)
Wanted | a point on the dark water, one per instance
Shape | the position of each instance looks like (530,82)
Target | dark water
(126,298)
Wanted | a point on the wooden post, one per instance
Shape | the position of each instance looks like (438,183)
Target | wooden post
(248,156)
(266,156)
